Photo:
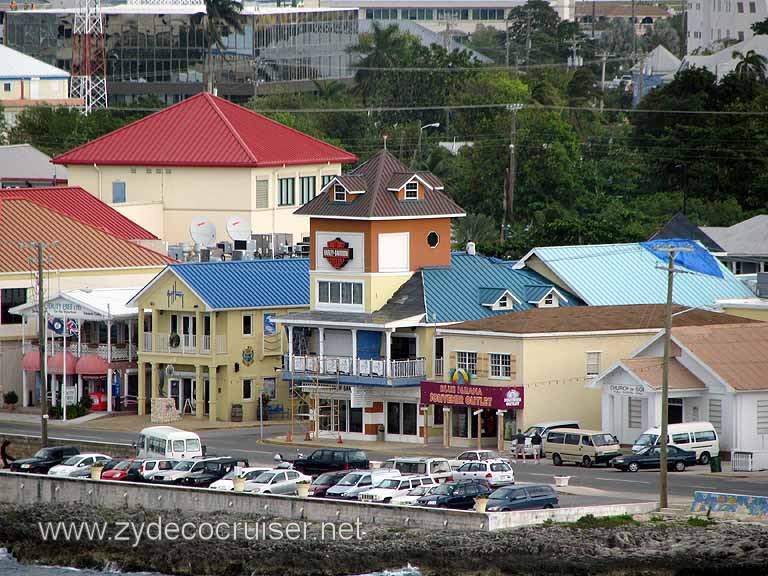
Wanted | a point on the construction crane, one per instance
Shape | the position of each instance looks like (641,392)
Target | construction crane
(89,57)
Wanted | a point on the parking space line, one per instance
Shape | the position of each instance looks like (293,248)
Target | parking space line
(621,480)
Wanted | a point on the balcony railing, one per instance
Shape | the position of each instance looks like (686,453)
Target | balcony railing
(186,344)
(348,366)
(120,353)
(438,367)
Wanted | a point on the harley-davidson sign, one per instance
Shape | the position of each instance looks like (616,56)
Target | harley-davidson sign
(338,253)
(498,397)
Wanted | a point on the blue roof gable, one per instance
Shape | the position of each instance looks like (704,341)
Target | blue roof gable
(616,274)
(454,293)
(248,283)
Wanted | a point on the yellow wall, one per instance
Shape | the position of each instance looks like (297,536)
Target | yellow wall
(552,370)
(46,89)
(377,288)
(267,350)
(751,313)
(186,192)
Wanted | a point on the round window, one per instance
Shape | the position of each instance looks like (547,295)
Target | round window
(433,239)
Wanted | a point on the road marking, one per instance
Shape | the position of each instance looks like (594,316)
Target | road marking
(620,480)
(539,474)
(247,451)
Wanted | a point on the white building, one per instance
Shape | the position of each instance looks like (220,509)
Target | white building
(717,374)
(713,23)
(722,62)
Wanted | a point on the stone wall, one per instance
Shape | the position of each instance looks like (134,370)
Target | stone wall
(29,489)
(23,446)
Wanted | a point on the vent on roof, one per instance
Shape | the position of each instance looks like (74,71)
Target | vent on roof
(471,248)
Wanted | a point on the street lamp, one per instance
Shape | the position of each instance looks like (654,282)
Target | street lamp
(417,151)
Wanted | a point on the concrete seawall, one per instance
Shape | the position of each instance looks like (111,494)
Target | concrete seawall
(30,489)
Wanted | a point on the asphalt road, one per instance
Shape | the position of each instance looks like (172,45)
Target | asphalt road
(245,442)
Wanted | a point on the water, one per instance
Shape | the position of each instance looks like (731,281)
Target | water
(10,567)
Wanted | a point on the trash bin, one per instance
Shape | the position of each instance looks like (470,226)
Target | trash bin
(380,433)
(714,464)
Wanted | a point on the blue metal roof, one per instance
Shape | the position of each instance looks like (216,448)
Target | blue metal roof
(248,283)
(454,293)
(614,274)
(489,296)
(536,293)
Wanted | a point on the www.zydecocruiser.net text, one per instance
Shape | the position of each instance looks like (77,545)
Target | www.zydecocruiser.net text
(164,530)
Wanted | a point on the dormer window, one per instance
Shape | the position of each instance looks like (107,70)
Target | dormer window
(339,193)
(498,299)
(412,190)
(503,303)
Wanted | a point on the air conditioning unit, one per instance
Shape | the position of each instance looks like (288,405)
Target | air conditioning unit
(238,255)
(205,255)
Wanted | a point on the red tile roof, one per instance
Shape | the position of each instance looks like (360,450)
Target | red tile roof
(205,130)
(74,202)
(80,246)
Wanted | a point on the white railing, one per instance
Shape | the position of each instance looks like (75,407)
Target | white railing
(206,344)
(119,353)
(438,367)
(221,344)
(346,365)
(187,344)
(147,344)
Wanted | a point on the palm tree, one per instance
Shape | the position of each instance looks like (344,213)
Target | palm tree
(382,48)
(219,14)
(329,89)
(751,66)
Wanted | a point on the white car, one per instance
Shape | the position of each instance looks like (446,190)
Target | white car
(276,482)
(74,465)
(496,472)
(410,497)
(391,488)
(472,456)
(228,482)
(152,466)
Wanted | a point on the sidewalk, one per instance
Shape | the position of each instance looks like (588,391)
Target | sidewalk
(412,449)
(134,423)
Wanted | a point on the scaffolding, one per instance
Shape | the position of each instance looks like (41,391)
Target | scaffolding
(320,394)
(89,57)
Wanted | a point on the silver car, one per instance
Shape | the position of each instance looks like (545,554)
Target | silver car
(276,482)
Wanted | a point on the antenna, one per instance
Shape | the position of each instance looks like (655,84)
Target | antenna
(239,230)
(203,231)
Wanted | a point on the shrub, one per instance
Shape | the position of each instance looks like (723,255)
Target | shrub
(700,522)
(590,521)
(10,398)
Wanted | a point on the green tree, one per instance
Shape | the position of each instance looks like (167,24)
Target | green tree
(663,33)
(478,228)
(619,38)
(751,66)
(384,47)
(220,15)
(760,27)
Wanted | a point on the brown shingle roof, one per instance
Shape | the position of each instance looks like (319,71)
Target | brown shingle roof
(378,202)
(738,353)
(596,318)
(80,246)
(610,9)
(648,369)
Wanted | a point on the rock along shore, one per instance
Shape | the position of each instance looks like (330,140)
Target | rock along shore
(646,548)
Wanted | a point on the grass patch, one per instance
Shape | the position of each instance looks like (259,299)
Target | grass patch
(590,521)
(700,522)
(657,519)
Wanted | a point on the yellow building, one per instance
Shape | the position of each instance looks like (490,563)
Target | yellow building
(209,339)
(752,308)
(208,157)
(551,355)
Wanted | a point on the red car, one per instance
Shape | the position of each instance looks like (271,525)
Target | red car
(127,470)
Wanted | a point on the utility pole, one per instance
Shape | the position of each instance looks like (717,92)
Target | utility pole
(594,17)
(528,38)
(510,195)
(634,33)
(602,80)
(506,46)
(672,250)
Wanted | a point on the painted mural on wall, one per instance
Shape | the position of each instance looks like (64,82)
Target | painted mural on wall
(754,507)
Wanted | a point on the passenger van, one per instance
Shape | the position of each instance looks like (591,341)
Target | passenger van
(699,437)
(584,447)
(437,468)
(542,428)
(168,442)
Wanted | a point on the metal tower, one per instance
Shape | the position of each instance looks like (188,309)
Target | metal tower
(89,57)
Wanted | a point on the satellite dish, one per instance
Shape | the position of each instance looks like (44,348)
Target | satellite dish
(238,228)
(203,231)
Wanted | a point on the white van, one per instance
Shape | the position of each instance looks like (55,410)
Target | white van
(168,442)
(437,468)
(699,437)
(542,428)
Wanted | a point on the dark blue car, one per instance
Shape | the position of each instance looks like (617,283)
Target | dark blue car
(650,457)
(533,497)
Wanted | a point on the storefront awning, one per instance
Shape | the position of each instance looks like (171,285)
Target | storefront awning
(92,365)
(56,363)
(31,361)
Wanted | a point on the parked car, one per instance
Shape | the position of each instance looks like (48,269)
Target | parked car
(472,456)
(44,459)
(359,481)
(277,482)
(155,465)
(128,471)
(411,497)
(227,482)
(496,472)
(178,472)
(542,428)
(331,459)
(459,494)
(322,483)
(532,497)
(438,468)
(390,488)
(700,437)
(650,457)
(79,463)
(212,470)
(584,447)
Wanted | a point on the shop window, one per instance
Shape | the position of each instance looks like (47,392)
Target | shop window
(10,298)
(459,421)
(501,366)
(467,361)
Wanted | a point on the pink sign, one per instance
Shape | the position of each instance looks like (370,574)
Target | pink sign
(496,397)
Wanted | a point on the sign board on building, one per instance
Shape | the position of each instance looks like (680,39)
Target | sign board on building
(627,389)
(270,327)
(495,397)
(359,398)
(337,252)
